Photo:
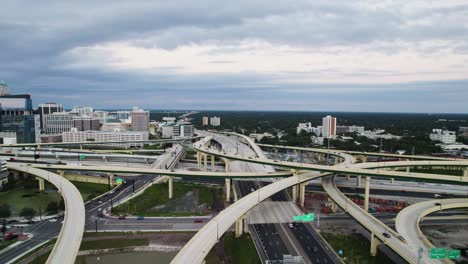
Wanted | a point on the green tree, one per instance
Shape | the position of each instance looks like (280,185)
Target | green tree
(52,207)
(28,213)
(5,211)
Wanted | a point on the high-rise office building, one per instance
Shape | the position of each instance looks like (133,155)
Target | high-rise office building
(328,127)
(17,115)
(140,120)
(57,122)
(86,123)
(47,108)
(205,120)
(215,121)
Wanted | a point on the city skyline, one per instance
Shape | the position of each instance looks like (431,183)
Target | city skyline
(352,57)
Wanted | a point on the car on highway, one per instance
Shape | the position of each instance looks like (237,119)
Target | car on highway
(99,210)
(252,190)
(100,214)
(122,217)
(53,220)
(387,235)
(198,221)
(315,249)
(290,225)
(140,218)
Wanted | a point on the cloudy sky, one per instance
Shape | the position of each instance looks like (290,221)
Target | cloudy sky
(390,56)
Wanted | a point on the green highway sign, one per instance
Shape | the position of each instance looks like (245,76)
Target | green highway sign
(82,156)
(305,218)
(453,254)
(438,253)
(119,180)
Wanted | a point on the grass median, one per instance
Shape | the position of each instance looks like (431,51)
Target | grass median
(158,195)
(90,190)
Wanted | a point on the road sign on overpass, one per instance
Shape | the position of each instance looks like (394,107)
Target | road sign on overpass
(438,253)
(304,218)
(453,254)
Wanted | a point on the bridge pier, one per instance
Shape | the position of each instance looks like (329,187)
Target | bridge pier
(41,184)
(375,242)
(465,172)
(366,194)
(205,162)
(358,181)
(294,193)
(302,188)
(212,163)
(198,160)
(392,180)
(239,226)
(348,177)
(407,169)
(169,185)
(228,189)
(111,179)
(61,173)
(16,174)
(227,163)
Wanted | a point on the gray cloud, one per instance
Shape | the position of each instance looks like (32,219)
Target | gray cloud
(36,34)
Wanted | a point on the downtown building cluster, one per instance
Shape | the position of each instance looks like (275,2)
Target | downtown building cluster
(50,122)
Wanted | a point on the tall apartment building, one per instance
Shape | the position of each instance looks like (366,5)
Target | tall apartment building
(103,136)
(57,122)
(181,129)
(328,127)
(205,120)
(17,115)
(215,121)
(86,123)
(47,108)
(140,120)
(463,132)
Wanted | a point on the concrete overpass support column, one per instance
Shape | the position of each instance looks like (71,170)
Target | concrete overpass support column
(228,165)
(358,181)
(228,189)
(348,177)
(465,172)
(198,160)
(41,184)
(294,193)
(169,185)
(239,228)
(212,163)
(111,179)
(61,173)
(364,159)
(407,169)
(392,180)
(246,226)
(374,243)
(366,194)
(15,175)
(205,162)
(302,188)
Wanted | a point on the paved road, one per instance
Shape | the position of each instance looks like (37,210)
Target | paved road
(69,239)
(407,223)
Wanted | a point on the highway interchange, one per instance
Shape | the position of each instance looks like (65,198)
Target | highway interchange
(300,234)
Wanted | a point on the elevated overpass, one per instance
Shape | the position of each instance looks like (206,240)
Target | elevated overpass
(69,239)
(362,153)
(350,169)
(152,141)
(408,220)
(198,247)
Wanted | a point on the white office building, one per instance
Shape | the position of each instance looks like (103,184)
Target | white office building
(444,136)
(104,136)
(84,111)
(57,122)
(205,121)
(328,127)
(215,121)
